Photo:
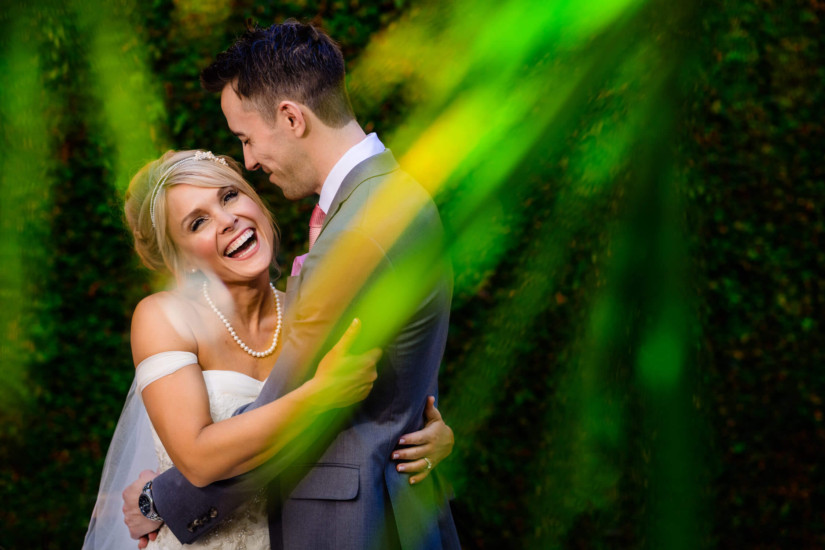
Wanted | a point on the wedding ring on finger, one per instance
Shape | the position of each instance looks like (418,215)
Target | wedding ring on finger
(429,464)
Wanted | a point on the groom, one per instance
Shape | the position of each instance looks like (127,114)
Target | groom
(375,253)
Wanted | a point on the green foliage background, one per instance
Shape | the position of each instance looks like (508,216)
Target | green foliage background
(632,355)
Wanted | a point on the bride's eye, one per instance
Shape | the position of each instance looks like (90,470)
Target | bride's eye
(231,194)
(196,224)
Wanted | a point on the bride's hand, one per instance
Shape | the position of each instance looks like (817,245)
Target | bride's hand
(433,442)
(343,379)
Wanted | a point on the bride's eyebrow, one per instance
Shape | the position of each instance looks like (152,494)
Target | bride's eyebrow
(190,216)
(198,210)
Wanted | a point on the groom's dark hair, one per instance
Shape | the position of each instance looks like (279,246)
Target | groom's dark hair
(294,61)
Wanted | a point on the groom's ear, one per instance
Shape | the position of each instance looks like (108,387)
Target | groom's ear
(292,117)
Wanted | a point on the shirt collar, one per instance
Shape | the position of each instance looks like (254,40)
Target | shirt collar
(366,148)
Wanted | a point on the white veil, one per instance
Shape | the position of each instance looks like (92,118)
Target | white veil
(131,451)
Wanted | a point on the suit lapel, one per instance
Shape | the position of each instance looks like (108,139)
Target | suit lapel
(377,165)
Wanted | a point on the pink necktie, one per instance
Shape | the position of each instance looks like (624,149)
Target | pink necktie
(316,220)
(315,223)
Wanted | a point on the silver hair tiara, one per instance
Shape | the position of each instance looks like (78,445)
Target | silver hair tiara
(199,155)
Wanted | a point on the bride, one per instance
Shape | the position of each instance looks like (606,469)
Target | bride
(203,350)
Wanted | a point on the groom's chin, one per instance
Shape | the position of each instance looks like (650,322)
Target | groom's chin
(292,194)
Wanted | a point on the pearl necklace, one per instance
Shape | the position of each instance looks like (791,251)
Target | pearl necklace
(231,330)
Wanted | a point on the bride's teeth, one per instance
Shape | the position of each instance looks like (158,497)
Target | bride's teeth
(239,242)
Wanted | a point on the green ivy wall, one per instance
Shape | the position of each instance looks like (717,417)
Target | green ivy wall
(636,212)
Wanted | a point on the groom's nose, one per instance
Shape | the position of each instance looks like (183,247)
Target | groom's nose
(250,162)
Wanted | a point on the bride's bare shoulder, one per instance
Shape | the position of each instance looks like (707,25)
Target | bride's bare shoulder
(162,322)
(166,305)
(164,300)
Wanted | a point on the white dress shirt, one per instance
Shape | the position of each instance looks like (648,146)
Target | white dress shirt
(366,148)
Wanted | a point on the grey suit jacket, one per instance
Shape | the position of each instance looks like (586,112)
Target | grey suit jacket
(379,257)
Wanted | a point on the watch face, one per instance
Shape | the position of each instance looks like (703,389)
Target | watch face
(144,504)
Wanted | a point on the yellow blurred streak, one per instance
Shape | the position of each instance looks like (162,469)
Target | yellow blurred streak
(401,288)
(448,141)
(483,130)
(483,110)
(437,48)
(484,80)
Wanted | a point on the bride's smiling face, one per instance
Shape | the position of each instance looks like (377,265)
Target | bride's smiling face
(220,230)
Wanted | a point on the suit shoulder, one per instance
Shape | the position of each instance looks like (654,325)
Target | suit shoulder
(394,193)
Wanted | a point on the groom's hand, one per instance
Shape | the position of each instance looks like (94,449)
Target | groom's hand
(140,528)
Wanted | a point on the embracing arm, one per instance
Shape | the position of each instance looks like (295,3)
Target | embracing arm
(206,451)
(177,499)
(434,441)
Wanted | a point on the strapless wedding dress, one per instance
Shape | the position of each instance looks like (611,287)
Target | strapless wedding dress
(246,528)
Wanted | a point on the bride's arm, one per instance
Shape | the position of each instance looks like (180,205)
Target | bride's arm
(206,451)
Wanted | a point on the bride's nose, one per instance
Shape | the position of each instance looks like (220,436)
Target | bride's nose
(228,221)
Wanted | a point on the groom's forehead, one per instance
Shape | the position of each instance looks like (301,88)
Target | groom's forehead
(233,101)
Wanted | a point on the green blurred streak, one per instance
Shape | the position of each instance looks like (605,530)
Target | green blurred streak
(491,137)
(491,84)
(125,87)
(498,86)
(673,486)
(585,434)
(488,82)
(673,498)
(24,186)
(660,357)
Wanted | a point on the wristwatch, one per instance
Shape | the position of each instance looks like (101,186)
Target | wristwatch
(147,504)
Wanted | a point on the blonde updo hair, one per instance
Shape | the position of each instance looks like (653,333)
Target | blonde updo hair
(153,243)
